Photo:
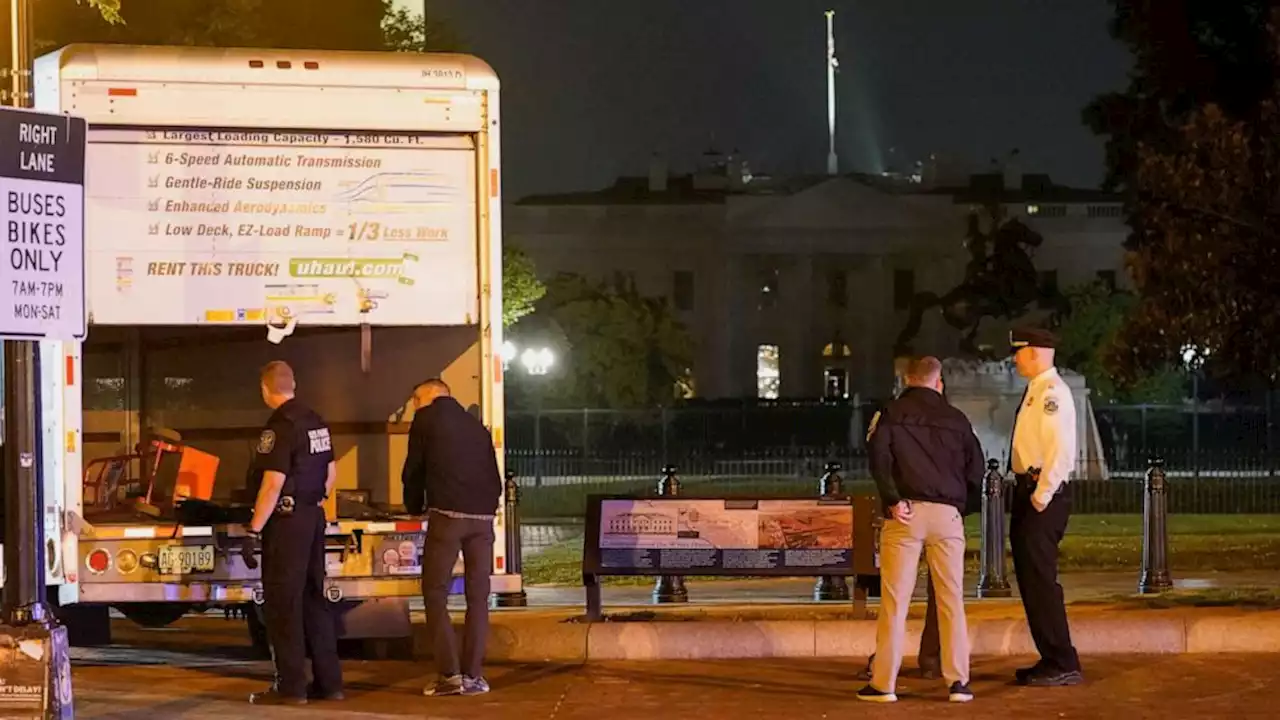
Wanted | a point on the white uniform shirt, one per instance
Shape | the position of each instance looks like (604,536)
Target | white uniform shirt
(1044,435)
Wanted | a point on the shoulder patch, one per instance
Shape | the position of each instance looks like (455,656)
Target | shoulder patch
(1050,405)
(266,442)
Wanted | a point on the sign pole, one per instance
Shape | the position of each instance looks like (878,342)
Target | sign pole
(24,589)
(35,667)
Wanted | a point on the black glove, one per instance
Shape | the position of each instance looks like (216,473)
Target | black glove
(250,547)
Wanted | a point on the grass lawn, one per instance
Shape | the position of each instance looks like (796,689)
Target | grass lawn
(1093,543)
(1260,598)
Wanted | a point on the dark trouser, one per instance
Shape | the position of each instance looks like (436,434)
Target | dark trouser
(930,642)
(446,537)
(1034,537)
(930,656)
(294,606)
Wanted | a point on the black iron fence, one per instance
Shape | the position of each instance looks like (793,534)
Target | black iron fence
(1218,460)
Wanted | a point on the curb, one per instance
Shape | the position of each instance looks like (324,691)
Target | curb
(1118,633)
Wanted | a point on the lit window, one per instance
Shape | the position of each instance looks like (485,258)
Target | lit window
(836,350)
(768,375)
(1033,209)
(836,384)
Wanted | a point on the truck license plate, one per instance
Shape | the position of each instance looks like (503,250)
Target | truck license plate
(186,559)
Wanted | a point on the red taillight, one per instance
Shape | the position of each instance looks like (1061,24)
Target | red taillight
(98,561)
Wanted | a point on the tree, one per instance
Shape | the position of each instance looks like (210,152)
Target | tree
(347,25)
(1187,54)
(1088,327)
(411,32)
(1204,259)
(521,289)
(1192,139)
(108,9)
(615,347)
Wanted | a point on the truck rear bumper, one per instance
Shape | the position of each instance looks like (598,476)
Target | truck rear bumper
(217,593)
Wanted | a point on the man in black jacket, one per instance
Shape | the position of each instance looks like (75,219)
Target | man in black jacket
(927,463)
(451,472)
(929,657)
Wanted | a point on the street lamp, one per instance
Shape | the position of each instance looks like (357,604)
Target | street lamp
(537,362)
(1193,358)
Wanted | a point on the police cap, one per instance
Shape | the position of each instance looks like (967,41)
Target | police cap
(1031,337)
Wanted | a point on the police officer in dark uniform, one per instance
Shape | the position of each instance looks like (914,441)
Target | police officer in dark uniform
(294,472)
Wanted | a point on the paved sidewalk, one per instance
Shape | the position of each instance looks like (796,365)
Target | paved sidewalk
(185,686)
(1077,586)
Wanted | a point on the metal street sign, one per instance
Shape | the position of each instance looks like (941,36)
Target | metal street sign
(42,278)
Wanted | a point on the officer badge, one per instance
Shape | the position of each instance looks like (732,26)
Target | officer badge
(1050,406)
(266,442)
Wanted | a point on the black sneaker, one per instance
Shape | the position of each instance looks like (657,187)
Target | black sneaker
(870,694)
(271,696)
(1055,678)
(960,693)
(314,693)
(1021,675)
(474,685)
(446,685)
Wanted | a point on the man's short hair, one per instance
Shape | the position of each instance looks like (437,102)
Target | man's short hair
(440,386)
(278,378)
(923,370)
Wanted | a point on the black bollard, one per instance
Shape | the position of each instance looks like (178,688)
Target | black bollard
(1155,531)
(831,587)
(515,549)
(669,588)
(992,582)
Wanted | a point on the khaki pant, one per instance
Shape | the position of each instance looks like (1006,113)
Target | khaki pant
(940,531)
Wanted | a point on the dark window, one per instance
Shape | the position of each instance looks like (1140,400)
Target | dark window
(1108,279)
(837,288)
(1106,211)
(1048,288)
(904,289)
(682,290)
(768,289)
(623,281)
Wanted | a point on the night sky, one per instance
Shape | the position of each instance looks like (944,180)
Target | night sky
(591,88)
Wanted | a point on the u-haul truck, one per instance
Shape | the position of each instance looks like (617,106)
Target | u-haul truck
(337,210)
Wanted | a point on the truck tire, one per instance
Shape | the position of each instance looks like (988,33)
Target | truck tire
(153,615)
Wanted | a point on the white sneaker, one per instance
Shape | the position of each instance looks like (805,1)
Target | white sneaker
(446,685)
